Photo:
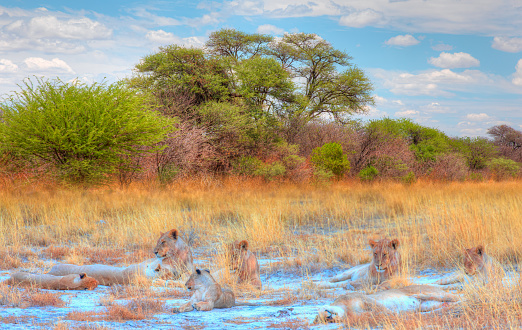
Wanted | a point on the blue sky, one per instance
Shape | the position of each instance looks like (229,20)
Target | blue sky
(451,64)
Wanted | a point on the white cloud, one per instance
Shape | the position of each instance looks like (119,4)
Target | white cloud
(52,27)
(473,131)
(435,107)
(7,66)
(511,45)
(361,18)
(402,40)
(442,47)
(477,116)
(517,76)
(40,64)
(269,29)
(455,60)
(406,113)
(163,38)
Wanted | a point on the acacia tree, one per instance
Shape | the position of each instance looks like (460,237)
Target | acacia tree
(85,132)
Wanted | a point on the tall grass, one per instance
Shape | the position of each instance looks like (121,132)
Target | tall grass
(331,224)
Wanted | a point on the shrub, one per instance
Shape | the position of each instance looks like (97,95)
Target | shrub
(330,157)
(85,132)
(271,171)
(246,165)
(322,175)
(449,167)
(368,173)
(503,168)
(409,178)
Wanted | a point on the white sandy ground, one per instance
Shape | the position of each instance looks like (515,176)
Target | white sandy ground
(277,285)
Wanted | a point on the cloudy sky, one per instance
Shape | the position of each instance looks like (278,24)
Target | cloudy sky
(451,64)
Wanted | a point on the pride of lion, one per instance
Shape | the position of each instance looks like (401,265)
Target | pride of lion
(174,258)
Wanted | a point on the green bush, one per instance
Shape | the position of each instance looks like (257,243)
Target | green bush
(322,175)
(478,177)
(503,168)
(330,157)
(167,173)
(271,171)
(86,132)
(409,178)
(247,165)
(368,173)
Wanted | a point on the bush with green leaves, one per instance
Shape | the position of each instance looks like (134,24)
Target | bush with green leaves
(246,165)
(369,173)
(86,132)
(409,178)
(503,168)
(330,157)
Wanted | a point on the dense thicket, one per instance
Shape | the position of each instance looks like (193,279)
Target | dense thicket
(246,104)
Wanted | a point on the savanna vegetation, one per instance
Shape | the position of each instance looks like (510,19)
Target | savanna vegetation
(251,137)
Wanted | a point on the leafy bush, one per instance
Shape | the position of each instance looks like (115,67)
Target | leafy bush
(85,131)
(368,173)
(247,165)
(409,178)
(478,177)
(271,171)
(330,157)
(503,168)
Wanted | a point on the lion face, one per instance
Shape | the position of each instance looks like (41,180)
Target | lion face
(384,253)
(237,252)
(196,279)
(169,243)
(473,259)
(87,283)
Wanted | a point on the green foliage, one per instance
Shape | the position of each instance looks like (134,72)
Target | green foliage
(368,173)
(321,175)
(246,165)
(187,68)
(330,157)
(85,131)
(477,151)
(478,177)
(167,173)
(271,171)
(503,168)
(236,44)
(409,178)
(427,143)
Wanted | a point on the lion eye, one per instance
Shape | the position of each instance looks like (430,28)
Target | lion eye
(375,254)
(384,255)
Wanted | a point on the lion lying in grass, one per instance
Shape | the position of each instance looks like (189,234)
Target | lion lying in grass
(45,281)
(386,261)
(207,294)
(479,268)
(110,275)
(422,298)
(174,253)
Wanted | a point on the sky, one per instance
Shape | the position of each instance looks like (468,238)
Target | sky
(455,65)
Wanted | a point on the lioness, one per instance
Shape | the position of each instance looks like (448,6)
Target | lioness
(45,281)
(110,275)
(245,263)
(421,298)
(175,254)
(386,261)
(479,268)
(207,294)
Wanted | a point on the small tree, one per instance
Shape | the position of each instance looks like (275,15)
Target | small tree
(85,131)
(330,157)
(503,168)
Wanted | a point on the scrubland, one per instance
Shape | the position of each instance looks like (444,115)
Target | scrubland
(295,229)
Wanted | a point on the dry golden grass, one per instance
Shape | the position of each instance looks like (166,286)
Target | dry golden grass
(42,299)
(307,228)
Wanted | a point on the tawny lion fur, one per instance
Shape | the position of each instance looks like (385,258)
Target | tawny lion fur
(479,268)
(422,298)
(110,275)
(244,262)
(175,254)
(207,294)
(386,262)
(78,281)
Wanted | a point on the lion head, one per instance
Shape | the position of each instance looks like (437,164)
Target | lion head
(474,259)
(86,282)
(197,279)
(385,254)
(238,253)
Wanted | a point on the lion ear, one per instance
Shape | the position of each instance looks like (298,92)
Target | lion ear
(198,271)
(174,233)
(372,243)
(208,271)
(394,244)
(82,276)
(480,250)
(158,268)
(243,245)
